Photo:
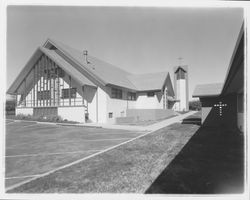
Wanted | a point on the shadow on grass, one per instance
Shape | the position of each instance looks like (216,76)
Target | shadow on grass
(212,162)
(193,120)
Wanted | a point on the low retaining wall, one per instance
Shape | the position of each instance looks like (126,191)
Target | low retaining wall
(149,114)
(24,111)
(124,120)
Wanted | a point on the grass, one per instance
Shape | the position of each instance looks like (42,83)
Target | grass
(129,168)
(212,162)
(179,159)
(147,122)
(25,138)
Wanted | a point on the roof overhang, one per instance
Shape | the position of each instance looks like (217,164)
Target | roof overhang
(20,77)
(32,61)
(235,73)
(181,68)
(234,80)
(50,43)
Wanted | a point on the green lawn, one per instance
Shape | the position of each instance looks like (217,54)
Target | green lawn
(178,159)
(33,149)
(129,168)
(212,162)
(146,122)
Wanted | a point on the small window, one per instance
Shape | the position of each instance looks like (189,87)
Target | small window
(110,115)
(116,93)
(131,96)
(150,94)
(65,93)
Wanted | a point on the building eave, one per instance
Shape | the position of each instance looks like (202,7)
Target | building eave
(237,56)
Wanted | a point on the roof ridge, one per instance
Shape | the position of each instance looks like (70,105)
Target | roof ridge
(88,54)
(151,73)
(55,42)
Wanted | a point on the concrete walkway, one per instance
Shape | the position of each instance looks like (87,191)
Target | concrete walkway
(152,127)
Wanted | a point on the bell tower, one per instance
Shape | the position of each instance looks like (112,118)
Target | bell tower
(181,88)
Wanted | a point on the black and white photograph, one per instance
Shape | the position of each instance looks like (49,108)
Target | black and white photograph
(125,99)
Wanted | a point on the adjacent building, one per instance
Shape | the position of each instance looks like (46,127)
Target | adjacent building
(223,103)
(59,80)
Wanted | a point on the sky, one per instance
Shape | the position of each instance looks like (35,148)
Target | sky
(136,39)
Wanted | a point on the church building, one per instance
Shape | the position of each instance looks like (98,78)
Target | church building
(223,103)
(61,81)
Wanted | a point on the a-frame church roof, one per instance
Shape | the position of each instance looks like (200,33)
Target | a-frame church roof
(94,72)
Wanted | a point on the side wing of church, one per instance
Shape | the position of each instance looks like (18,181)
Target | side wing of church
(223,103)
(61,81)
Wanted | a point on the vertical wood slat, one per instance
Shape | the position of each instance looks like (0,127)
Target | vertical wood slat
(47,81)
(46,78)
(40,83)
(58,87)
(36,85)
(50,88)
(54,91)
(70,90)
(82,95)
(43,80)
(63,90)
(25,91)
(16,99)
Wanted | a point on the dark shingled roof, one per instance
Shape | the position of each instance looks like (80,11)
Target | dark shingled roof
(67,67)
(107,73)
(74,63)
(151,81)
(213,89)
(110,74)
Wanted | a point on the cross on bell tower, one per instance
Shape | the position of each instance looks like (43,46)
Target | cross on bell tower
(180,59)
(220,105)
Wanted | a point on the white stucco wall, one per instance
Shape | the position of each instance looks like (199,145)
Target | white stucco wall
(24,111)
(102,105)
(181,94)
(145,102)
(117,107)
(72,113)
(90,100)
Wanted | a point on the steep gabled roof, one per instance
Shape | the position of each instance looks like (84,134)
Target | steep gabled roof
(80,78)
(95,72)
(100,70)
(68,68)
(150,81)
